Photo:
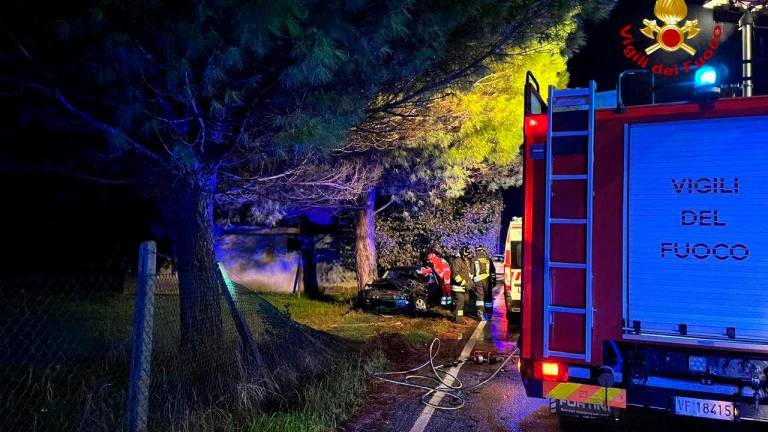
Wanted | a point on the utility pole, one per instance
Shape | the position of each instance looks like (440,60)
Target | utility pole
(744,13)
(746,25)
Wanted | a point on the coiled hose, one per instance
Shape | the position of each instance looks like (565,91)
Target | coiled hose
(455,390)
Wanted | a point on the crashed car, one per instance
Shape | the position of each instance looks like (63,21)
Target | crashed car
(401,288)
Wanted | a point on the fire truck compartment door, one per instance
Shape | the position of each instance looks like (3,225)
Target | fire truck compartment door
(696,229)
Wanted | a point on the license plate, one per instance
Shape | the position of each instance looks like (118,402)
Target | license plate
(704,408)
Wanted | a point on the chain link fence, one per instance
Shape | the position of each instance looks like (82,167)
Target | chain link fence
(64,352)
(73,356)
(204,366)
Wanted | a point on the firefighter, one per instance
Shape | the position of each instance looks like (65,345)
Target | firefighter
(435,265)
(484,279)
(461,275)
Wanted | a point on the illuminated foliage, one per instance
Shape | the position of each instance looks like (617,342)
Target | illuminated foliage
(469,144)
(406,234)
(493,128)
(481,138)
(470,133)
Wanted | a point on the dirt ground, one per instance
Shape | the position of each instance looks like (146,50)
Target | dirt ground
(402,355)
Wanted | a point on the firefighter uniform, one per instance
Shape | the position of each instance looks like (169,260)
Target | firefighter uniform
(484,274)
(489,292)
(461,281)
(439,267)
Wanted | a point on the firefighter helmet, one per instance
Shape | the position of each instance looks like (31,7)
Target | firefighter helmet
(465,251)
(423,257)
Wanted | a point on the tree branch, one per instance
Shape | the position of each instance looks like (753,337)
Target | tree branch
(389,203)
(200,120)
(469,68)
(58,96)
(22,167)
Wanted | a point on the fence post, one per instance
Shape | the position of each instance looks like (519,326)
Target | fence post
(141,351)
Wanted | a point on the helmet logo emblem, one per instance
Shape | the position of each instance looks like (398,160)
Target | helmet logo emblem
(670,37)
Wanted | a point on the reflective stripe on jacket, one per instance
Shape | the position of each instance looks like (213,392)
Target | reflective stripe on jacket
(482,268)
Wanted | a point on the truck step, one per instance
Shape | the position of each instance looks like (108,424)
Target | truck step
(567,177)
(568,134)
(569,355)
(567,309)
(564,265)
(568,221)
(570,108)
(574,92)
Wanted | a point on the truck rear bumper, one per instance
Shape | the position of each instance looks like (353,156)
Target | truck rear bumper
(663,399)
(664,377)
(660,393)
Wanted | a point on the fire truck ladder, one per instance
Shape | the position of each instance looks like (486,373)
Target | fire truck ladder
(581,100)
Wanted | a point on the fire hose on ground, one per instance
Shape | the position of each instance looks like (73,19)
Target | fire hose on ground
(438,380)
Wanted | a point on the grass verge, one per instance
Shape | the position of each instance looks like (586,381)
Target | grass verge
(329,401)
(80,381)
(337,397)
(339,319)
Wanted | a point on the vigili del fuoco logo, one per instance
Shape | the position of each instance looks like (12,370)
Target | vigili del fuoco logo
(668,36)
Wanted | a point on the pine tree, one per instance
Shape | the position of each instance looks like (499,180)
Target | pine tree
(469,137)
(235,101)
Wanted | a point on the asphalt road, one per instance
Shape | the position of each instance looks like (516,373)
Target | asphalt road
(502,405)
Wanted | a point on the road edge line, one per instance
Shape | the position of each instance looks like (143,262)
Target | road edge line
(437,397)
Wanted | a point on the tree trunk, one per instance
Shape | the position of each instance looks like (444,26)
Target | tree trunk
(200,281)
(365,241)
(308,263)
(204,346)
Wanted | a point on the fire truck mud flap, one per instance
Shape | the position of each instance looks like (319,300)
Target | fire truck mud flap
(580,410)
(583,400)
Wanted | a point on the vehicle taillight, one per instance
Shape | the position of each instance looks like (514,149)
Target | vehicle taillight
(550,371)
(536,129)
(507,270)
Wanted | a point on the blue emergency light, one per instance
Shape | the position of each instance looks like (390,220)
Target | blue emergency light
(706,83)
(706,76)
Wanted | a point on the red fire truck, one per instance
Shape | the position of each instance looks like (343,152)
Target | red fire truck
(645,254)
